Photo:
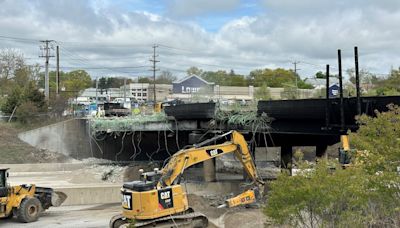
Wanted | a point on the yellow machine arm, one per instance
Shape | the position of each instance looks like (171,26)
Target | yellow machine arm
(185,158)
(345,142)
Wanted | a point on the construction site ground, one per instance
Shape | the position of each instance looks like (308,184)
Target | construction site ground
(94,199)
(98,215)
(93,187)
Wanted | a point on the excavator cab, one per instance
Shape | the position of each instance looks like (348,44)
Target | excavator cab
(148,181)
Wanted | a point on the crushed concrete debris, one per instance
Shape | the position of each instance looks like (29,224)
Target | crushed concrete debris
(267,170)
(129,123)
(109,173)
(47,155)
(226,217)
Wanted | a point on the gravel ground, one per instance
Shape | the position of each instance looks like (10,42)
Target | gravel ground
(97,216)
(86,216)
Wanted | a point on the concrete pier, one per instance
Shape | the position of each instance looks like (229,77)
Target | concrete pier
(209,171)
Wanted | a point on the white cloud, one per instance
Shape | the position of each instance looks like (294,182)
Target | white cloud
(99,31)
(185,8)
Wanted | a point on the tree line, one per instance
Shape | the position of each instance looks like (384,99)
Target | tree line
(259,77)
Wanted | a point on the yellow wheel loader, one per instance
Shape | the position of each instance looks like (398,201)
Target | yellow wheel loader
(26,202)
(158,199)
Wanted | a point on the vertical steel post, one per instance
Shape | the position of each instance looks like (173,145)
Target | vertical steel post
(357,80)
(327,117)
(341,90)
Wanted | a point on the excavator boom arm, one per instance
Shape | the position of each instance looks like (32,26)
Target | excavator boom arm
(199,153)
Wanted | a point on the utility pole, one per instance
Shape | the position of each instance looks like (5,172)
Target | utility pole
(295,70)
(46,54)
(154,69)
(125,90)
(97,88)
(58,71)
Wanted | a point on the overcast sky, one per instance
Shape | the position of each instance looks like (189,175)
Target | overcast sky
(210,34)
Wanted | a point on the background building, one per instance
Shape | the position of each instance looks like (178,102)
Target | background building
(89,95)
(191,84)
(144,92)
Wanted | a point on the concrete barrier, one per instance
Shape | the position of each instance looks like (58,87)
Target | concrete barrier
(80,195)
(43,167)
(91,194)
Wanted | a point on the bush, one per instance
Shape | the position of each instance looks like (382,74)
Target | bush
(262,93)
(334,197)
(12,101)
(290,93)
(27,112)
(365,195)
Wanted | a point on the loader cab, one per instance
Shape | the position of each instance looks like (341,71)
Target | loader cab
(3,182)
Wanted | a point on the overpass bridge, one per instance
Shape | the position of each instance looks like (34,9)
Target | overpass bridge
(311,122)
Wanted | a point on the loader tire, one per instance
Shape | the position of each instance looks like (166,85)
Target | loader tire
(29,210)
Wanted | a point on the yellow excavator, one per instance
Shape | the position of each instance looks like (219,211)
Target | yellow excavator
(26,202)
(158,199)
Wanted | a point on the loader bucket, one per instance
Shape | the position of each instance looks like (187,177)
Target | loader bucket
(48,197)
(57,198)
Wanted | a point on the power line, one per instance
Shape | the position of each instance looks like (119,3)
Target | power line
(174,48)
(105,68)
(18,39)
(84,61)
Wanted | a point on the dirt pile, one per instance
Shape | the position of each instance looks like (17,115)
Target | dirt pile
(101,170)
(226,217)
(13,150)
(132,173)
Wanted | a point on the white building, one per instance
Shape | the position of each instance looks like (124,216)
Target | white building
(103,95)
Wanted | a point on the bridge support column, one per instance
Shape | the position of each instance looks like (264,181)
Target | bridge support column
(321,151)
(286,157)
(209,170)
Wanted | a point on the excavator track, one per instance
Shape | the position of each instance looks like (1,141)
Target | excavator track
(190,219)
(193,219)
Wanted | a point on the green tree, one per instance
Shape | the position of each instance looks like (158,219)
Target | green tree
(12,101)
(76,81)
(364,195)
(21,95)
(194,71)
(380,137)
(315,198)
(144,80)
(223,78)
(273,78)
(319,74)
(165,77)
(102,84)
(26,112)
(301,84)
